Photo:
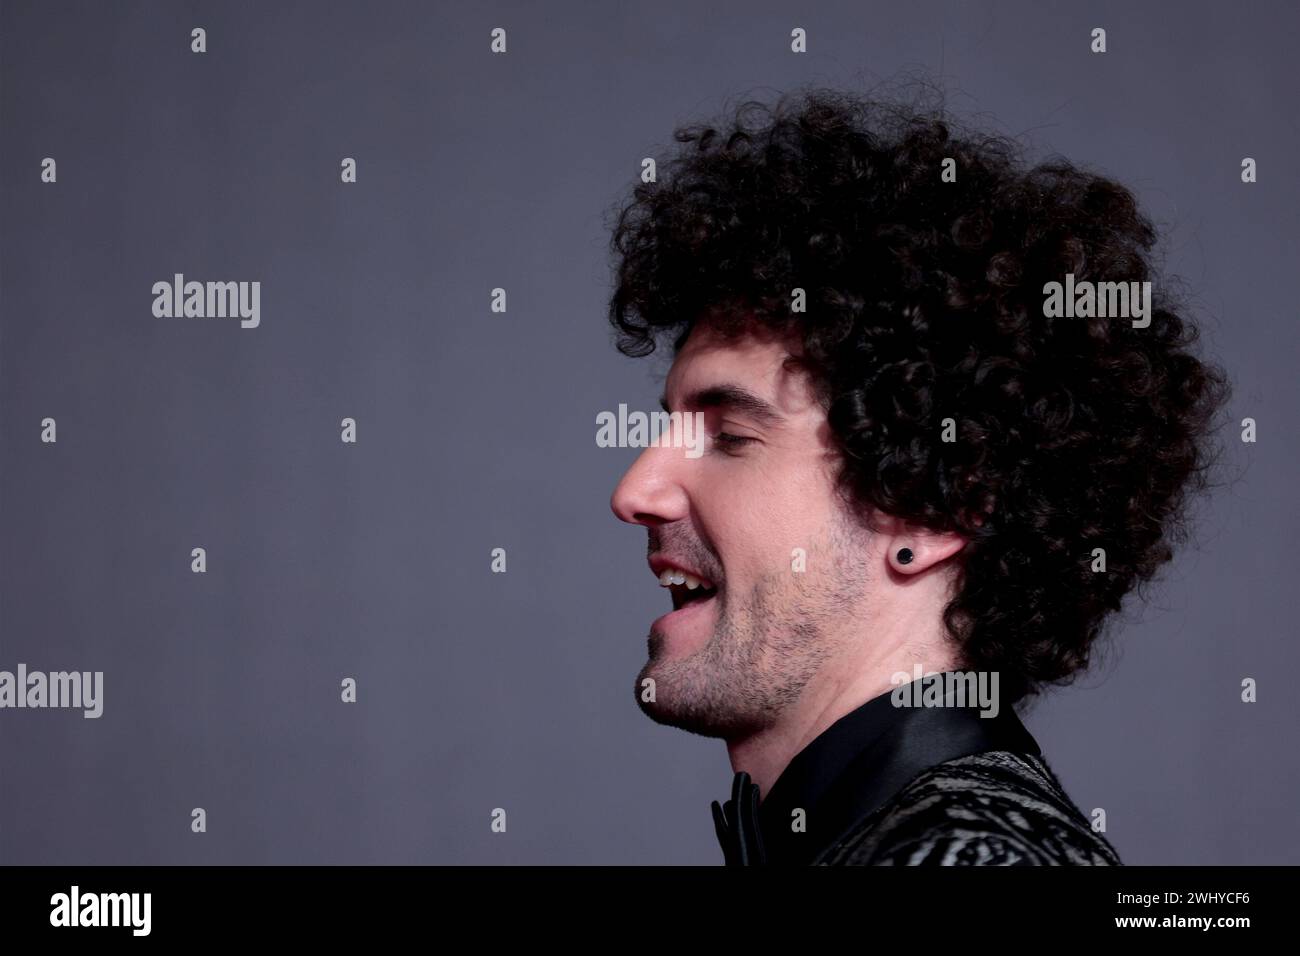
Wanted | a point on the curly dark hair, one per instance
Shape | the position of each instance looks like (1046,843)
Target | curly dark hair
(924,302)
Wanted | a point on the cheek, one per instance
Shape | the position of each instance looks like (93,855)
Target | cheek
(756,534)
(796,500)
(757,512)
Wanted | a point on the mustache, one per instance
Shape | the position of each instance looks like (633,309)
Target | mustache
(680,543)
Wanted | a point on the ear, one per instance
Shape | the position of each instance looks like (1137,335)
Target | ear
(912,550)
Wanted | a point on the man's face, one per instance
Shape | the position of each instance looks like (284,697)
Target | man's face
(728,664)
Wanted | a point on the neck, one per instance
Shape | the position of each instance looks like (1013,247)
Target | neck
(871,655)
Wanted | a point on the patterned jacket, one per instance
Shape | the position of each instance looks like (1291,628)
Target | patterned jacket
(902,784)
(990,809)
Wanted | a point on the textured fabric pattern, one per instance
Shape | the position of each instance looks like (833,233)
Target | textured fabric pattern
(990,809)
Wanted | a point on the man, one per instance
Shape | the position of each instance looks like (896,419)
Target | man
(921,474)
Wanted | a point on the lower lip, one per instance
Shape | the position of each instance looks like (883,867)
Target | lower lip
(684,615)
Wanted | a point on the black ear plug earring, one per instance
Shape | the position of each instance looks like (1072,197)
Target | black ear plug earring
(905,555)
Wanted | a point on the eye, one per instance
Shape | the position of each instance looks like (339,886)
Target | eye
(722,438)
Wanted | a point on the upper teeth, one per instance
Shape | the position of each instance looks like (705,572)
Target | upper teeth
(672,576)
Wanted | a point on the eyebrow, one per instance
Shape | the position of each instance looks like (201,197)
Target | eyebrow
(732,397)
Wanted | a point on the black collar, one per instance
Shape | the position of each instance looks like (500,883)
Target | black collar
(854,766)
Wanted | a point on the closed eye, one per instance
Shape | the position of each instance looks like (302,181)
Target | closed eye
(733,440)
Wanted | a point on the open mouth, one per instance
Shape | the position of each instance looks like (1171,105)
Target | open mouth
(685,587)
(683,595)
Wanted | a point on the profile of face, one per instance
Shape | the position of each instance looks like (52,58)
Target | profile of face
(739,648)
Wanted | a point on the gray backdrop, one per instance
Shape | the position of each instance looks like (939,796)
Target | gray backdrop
(477,430)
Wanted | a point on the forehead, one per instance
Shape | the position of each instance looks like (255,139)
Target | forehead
(756,359)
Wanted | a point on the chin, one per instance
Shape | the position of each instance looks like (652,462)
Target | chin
(690,721)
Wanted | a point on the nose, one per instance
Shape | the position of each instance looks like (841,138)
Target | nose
(652,492)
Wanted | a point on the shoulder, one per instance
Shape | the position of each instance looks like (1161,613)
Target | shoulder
(990,809)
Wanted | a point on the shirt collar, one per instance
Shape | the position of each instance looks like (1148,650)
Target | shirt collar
(854,766)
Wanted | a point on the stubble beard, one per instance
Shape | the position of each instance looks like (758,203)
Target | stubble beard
(765,649)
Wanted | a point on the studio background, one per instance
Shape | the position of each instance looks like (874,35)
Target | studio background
(476,430)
